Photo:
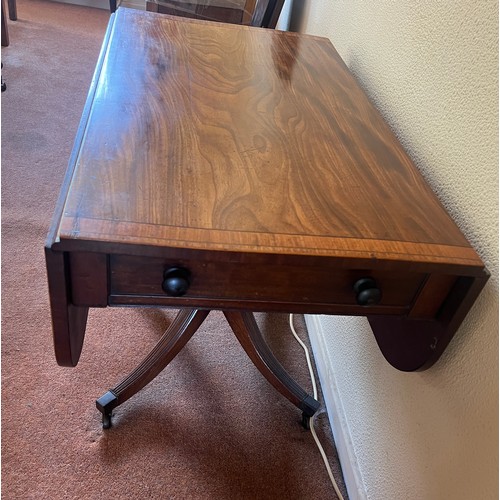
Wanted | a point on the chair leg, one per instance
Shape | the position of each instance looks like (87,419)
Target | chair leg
(12,10)
(151,6)
(5,28)
(112,6)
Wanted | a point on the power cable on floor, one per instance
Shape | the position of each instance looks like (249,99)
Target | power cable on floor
(311,420)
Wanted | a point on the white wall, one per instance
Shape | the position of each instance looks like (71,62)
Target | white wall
(431,67)
(284,19)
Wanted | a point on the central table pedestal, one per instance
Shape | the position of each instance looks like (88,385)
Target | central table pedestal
(185,324)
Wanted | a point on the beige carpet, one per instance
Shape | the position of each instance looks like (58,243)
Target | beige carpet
(210,426)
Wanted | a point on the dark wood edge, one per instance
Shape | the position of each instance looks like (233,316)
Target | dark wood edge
(68,321)
(252,305)
(116,248)
(414,345)
(213,13)
(52,235)
(90,272)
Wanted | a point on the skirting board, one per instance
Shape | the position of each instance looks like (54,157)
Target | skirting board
(335,409)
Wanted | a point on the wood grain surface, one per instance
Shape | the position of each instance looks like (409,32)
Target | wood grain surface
(253,161)
(230,138)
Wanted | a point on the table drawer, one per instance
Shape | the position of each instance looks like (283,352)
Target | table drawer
(217,284)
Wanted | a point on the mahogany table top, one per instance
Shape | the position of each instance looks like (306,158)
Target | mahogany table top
(251,162)
(220,137)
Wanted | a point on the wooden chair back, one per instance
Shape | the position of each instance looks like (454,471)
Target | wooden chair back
(265,12)
(260,13)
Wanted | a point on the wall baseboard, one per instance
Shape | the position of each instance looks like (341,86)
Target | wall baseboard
(335,409)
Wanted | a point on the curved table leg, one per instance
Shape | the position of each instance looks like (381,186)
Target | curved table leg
(173,340)
(248,334)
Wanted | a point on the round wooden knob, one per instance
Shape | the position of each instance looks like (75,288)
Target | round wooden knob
(176,281)
(367,292)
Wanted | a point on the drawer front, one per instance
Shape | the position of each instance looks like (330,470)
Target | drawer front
(218,284)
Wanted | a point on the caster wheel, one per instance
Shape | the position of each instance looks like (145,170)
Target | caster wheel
(306,422)
(105,405)
(106,421)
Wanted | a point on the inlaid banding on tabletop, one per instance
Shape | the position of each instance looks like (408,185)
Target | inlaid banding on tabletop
(216,240)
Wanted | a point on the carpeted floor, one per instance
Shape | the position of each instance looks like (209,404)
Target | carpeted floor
(210,426)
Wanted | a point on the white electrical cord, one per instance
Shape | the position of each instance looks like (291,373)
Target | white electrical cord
(311,420)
